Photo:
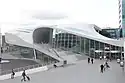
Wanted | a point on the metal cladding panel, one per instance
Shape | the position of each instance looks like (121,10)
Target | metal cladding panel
(15,40)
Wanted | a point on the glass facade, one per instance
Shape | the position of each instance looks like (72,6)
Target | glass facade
(111,33)
(25,52)
(81,45)
(62,40)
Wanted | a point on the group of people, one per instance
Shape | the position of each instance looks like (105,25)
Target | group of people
(104,66)
(24,76)
(90,59)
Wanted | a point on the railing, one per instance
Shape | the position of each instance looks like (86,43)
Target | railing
(51,50)
(22,68)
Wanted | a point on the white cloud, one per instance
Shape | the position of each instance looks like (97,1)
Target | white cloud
(100,12)
(48,15)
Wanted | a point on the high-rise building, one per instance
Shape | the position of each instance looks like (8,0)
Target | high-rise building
(122,15)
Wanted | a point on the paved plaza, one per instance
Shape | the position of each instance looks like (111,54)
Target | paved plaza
(80,72)
(16,63)
(10,62)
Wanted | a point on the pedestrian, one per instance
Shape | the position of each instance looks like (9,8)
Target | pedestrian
(92,60)
(0,59)
(12,75)
(106,65)
(101,68)
(55,66)
(88,60)
(23,76)
(100,57)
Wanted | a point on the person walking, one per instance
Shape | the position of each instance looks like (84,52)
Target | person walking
(12,75)
(92,60)
(54,65)
(88,60)
(107,65)
(24,76)
(101,68)
(0,59)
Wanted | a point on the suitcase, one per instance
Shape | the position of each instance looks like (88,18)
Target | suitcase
(28,78)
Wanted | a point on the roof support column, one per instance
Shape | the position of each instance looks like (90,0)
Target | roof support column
(51,37)
(72,43)
(116,52)
(121,53)
(64,40)
(89,47)
(34,52)
(110,47)
(94,49)
(57,40)
(61,40)
(80,43)
(84,46)
(104,50)
(99,49)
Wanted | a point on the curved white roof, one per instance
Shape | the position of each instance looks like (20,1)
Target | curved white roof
(80,29)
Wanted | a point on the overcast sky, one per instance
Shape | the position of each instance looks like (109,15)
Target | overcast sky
(103,13)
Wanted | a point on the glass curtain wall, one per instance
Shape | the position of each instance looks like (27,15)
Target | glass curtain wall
(25,52)
(66,41)
(45,58)
(22,52)
(70,42)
